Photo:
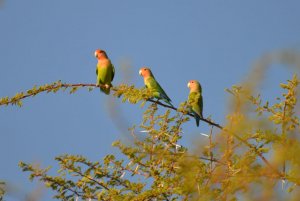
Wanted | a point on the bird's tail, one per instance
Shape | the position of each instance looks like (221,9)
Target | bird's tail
(168,102)
(197,118)
(197,121)
(105,90)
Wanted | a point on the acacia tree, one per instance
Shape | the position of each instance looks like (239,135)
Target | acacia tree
(245,159)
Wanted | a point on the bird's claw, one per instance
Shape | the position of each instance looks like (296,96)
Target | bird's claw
(107,86)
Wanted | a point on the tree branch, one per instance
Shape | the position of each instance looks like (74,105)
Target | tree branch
(58,85)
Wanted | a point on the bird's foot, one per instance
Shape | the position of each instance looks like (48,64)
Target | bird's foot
(107,86)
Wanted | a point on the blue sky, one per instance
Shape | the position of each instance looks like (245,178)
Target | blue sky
(215,42)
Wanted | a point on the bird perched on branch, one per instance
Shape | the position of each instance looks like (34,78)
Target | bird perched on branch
(195,100)
(154,86)
(105,71)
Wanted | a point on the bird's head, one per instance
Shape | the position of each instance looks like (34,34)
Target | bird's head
(100,54)
(145,72)
(194,86)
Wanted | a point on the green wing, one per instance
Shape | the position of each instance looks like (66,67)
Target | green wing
(196,102)
(196,105)
(105,74)
(157,89)
(200,102)
(113,72)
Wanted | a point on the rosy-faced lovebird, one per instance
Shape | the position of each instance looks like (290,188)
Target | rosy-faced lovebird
(153,85)
(195,100)
(105,71)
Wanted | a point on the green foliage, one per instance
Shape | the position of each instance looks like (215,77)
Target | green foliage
(129,93)
(247,154)
(149,170)
(53,87)
(132,94)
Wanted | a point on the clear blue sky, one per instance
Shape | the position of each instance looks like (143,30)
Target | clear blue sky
(215,42)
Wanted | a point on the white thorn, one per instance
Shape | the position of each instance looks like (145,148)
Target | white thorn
(282,184)
(177,146)
(204,134)
(123,174)
(136,169)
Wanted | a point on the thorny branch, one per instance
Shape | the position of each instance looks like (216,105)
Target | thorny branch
(56,86)
(59,85)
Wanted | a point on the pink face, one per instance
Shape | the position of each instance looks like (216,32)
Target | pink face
(192,84)
(100,54)
(145,72)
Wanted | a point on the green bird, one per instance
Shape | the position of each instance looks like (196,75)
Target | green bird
(152,84)
(195,100)
(105,71)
